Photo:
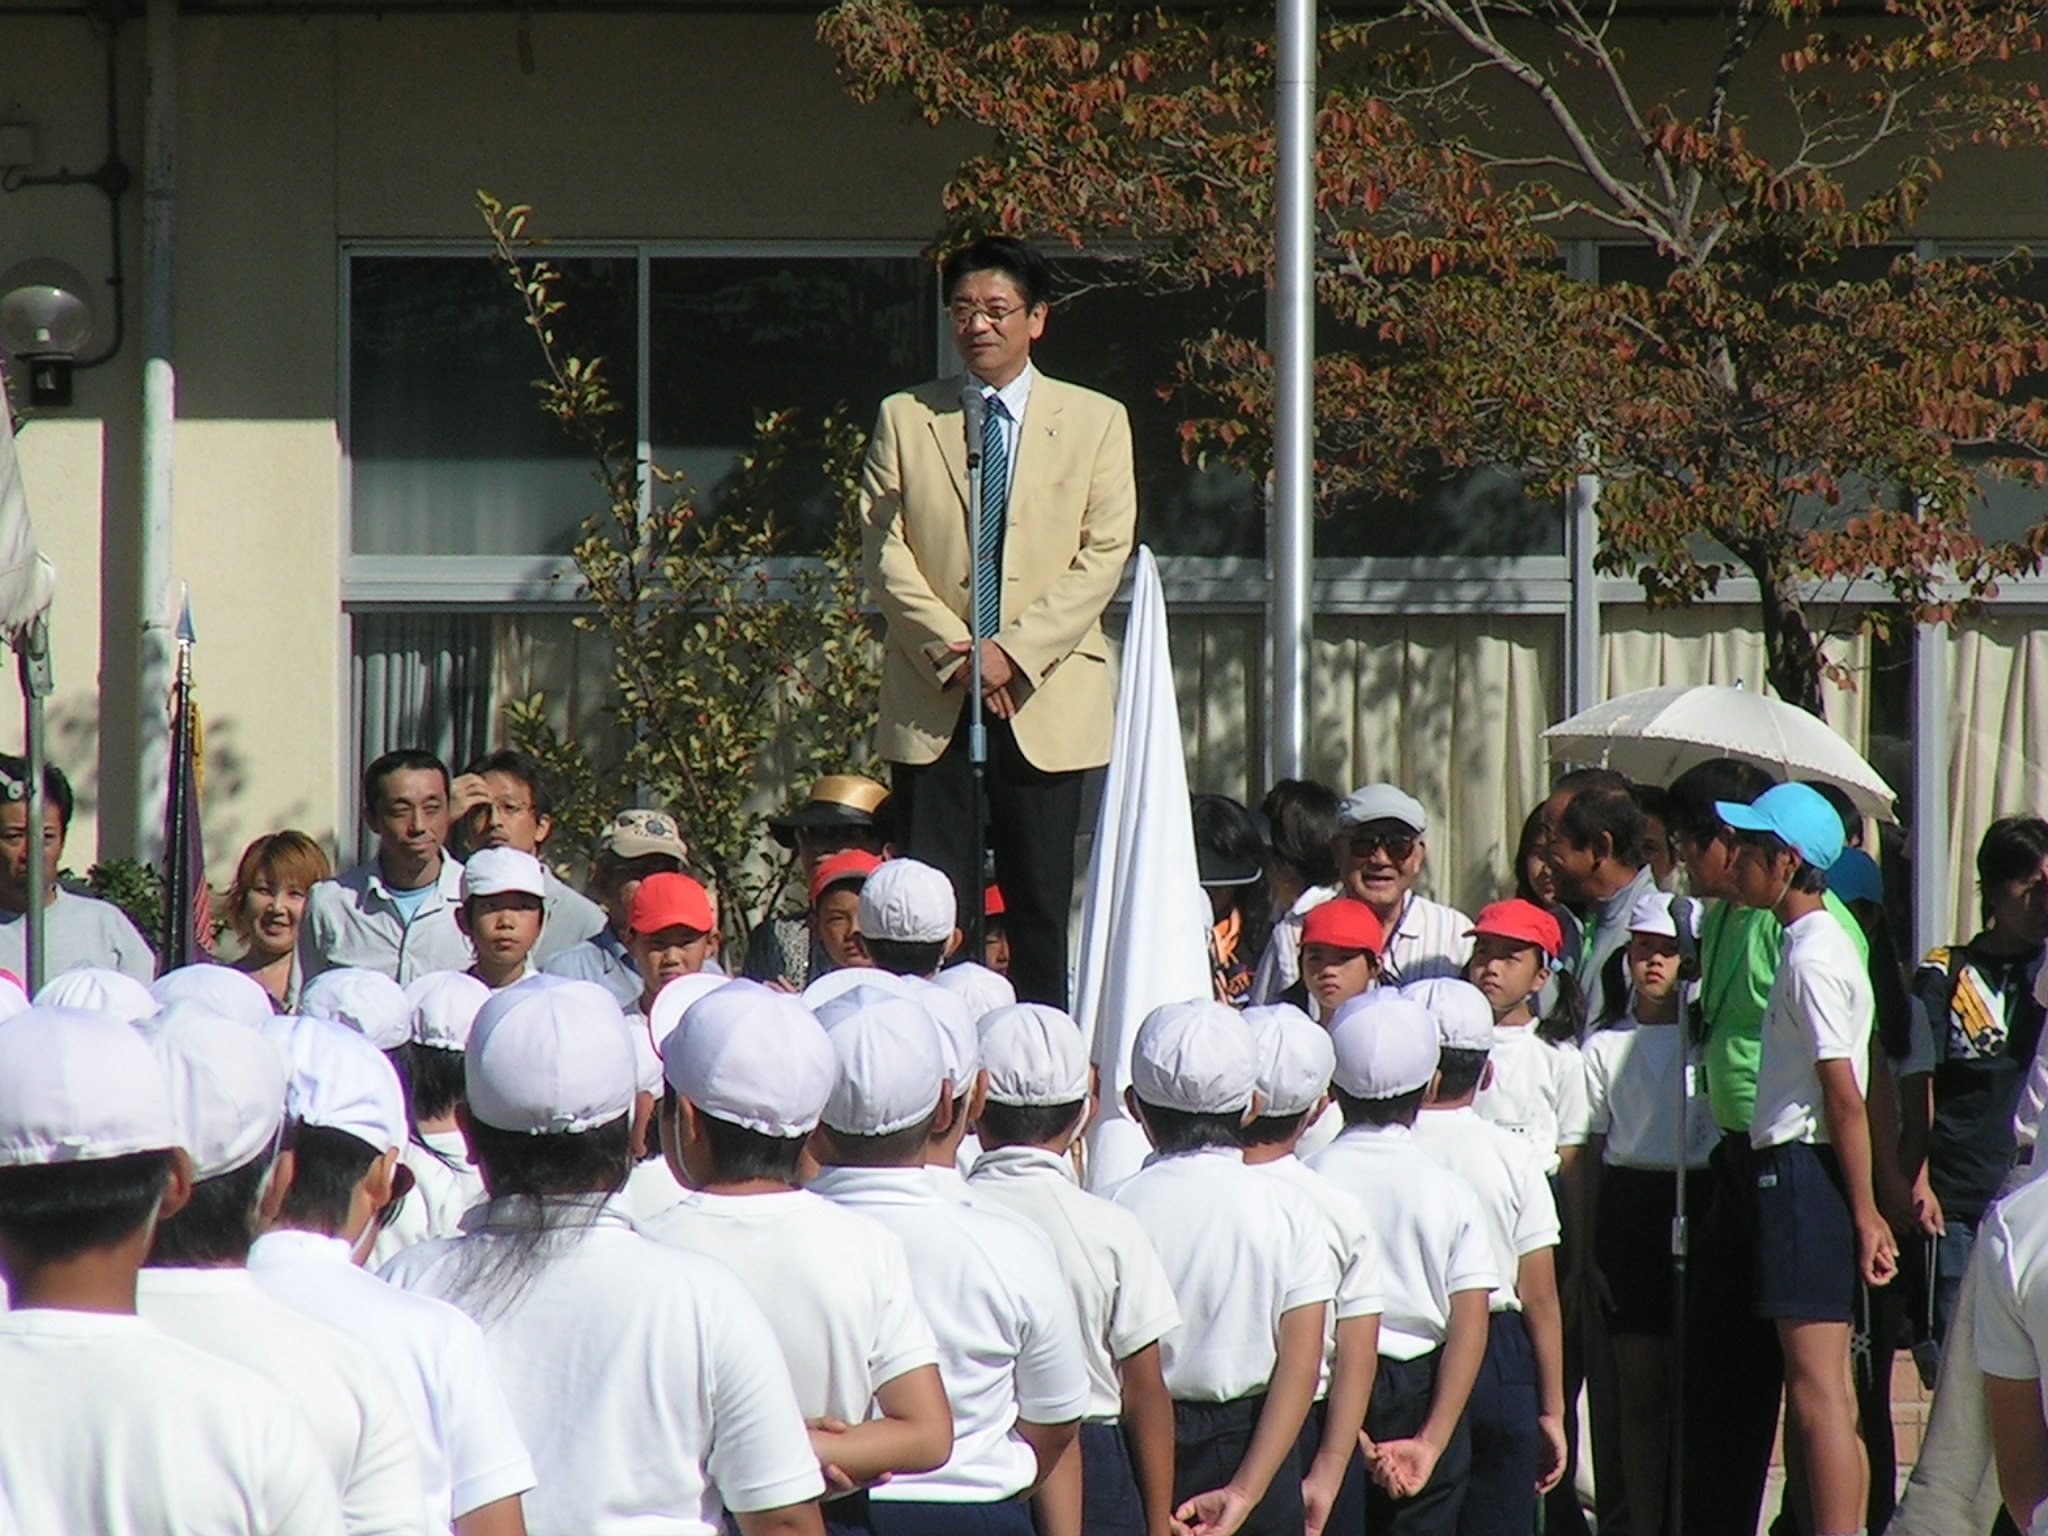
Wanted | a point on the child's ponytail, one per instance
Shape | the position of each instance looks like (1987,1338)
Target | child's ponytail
(1566,1021)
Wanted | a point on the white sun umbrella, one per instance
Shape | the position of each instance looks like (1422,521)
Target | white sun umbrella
(1655,734)
(1144,919)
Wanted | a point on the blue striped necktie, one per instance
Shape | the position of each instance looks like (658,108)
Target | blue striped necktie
(995,497)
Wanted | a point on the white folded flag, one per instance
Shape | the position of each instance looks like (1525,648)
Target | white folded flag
(27,579)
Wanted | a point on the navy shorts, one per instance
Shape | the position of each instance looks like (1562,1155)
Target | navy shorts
(906,1517)
(1805,1236)
(1209,1442)
(1110,1502)
(1632,1243)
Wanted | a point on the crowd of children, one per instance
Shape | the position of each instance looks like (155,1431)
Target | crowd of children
(629,1245)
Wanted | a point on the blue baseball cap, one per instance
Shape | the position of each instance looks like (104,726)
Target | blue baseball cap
(1796,815)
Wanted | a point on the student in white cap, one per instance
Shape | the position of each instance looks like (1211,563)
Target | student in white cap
(219,989)
(367,1001)
(1038,1093)
(748,1071)
(907,917)
(981,989)
(107,1424)
(1249,1265)
(1439,1265)
(97,989)
(1516,1412)
(504,899)
(346,1123)
(1295,1060)
(645,1382)
(227,1088)
(1009,1345)
(445,1182)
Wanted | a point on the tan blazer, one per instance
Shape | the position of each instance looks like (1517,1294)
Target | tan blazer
(1073,512)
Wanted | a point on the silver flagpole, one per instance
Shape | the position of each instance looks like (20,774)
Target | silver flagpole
(32,651)
(1293,322)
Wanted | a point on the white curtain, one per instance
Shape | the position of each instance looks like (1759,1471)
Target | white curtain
(421,679)
(1998,731)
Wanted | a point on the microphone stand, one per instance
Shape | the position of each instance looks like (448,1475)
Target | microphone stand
(974,900)
(1683,910)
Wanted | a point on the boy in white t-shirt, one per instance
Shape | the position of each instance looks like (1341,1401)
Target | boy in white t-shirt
(1816,1218)
(1039,1093)
(2011,1343)
(107,1424)
(748,1071)
(445,1183)
(1439,1265)
(1251,1267)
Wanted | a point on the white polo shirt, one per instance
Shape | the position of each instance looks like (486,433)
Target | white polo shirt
(1120,1290)
(1632,1083)
(1821,1008)
(470,1451)
(834,1284)
(1506,1174)
(650,1189)
(110,1426)
(646,1383)
(1433,1241)
(1538,1092)
(2011,1261)
(1009,1343)
(1240,1250)
(1280,966)
(446,1185)
(352,920)
(357,1419)
(1361,1287)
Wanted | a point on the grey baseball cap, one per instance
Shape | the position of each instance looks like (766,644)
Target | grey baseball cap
(1382,802)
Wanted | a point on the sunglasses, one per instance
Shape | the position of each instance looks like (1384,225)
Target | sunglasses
(1398,845)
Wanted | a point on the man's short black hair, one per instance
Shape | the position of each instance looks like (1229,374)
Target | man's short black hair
(57,1211)
(1599,809)
(56,788)
(999,253)
(433,1078)
(904,957)
(1689,801)
(563,1163)
(1180,1130)
(1010,1125)
(327,1165)
(739,1154)
(894,1150)
(1272,1130)
(527,770)
(404,760)
(2013,848)
(1459,1071)
(218,1224)
(1400,1109)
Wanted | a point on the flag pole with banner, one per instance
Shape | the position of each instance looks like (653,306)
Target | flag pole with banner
(1144,918)
(186,913)
(27,583)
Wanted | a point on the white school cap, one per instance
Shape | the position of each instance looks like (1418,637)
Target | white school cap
(1033,1054)
(959,1040)
(847,1001)
(367,1001)
(834,983)
(96,989)
(78,1087)
(227,1085)
(754,1056)
(1195,1057)
(981,989)
(676,999)
(889,1068)
(1652,913)
(1294,1055)
(1464,1018)
(444,1008)
(1386,1045)
(341,1081)
(550,1057)
(907,901)
(494,871)
(218,989)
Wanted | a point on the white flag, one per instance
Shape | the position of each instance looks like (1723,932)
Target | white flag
(27,578)
(1144,919)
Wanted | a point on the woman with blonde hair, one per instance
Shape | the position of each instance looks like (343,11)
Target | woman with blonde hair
(266,903)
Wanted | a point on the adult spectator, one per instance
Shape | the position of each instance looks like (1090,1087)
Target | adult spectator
(843,812)
(1657,851)
(1230,859)
(634,845)
(77,929)
(396,914)
(267,905)
(1301,870)
(1059,505)
(1975,1026)
(1379,850)
(503,801)
(1593,842)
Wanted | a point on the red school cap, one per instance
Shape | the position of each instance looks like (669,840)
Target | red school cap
(1519,919)
(1343,923)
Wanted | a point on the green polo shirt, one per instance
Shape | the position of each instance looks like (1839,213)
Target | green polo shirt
(1739,948)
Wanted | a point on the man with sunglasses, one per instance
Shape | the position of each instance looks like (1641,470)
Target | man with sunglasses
(1380,849)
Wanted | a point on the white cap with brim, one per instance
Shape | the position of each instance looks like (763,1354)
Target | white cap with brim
(833,1010)
(889,1068)
(981,989)
(676,999)
(1652,913)
(227,1085)
(444,1008)
(367,1001)
(908,902)
(341,1082)
(959,1040)
(79,1087)
(1195,1057)
(1294,1056)
(494,871)
(96,989)
(1386,1045)
(753,1056)
(549,1058)
(1034,1055)
(1382,802)
(219,989)
(1464,1018)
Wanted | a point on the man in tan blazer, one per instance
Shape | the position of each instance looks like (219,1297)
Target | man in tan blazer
(1059,511)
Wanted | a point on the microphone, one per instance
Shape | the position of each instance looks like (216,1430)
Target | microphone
(974,410)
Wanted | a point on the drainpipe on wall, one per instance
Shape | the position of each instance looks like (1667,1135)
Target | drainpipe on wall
(159,425)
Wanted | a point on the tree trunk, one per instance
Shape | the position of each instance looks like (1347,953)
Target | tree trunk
(1792,655)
